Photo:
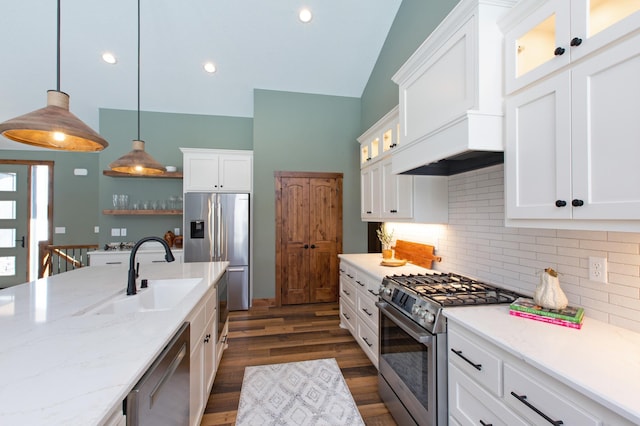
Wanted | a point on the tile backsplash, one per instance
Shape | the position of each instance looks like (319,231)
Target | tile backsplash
(476,243)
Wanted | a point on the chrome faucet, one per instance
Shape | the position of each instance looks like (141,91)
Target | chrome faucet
(133,272)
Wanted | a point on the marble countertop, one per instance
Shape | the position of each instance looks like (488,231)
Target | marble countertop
(370,262)
(600,360)
(63,366)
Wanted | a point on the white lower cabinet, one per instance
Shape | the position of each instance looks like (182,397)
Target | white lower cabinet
(203,354)
(358,311)
(99,258)
(490,386)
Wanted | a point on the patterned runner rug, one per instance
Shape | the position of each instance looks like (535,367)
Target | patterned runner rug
(296,393)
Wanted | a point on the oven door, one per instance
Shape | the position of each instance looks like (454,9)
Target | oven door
(407,363)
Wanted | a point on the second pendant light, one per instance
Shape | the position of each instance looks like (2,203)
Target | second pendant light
(137,161)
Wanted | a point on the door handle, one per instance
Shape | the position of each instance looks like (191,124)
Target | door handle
(306,246)
(313,246)
(21,241)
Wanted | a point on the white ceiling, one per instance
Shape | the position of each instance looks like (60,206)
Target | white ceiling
(254,44)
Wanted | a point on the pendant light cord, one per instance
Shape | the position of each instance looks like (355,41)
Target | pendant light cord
(138,69)
(58,50)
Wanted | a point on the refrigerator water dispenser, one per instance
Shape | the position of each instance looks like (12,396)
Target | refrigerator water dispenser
(197,229)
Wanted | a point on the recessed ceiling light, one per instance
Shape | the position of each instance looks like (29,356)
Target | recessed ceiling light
(109,58)
(210,67)
(305,15)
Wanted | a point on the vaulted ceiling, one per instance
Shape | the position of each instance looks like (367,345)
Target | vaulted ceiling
(253,43)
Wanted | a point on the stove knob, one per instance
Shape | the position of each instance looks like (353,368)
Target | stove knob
(388,291)
(428,317)
(415,310)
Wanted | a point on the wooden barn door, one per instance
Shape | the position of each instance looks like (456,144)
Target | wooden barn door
(308,236)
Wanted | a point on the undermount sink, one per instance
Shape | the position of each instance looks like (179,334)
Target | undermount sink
(161,295)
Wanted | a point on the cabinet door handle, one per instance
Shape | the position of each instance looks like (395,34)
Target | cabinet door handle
(576,41)
(523,399)
(459,353)
(346,316)
(559,51)
(485,424)
(114,263)
(577,203)
(360,284)
(346,292)
(561,203)
(369,212)
(373,292)
(366,312)
(350,276)
(393,211)
(367,342)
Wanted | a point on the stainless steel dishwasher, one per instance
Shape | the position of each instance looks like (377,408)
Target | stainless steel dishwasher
(161,397)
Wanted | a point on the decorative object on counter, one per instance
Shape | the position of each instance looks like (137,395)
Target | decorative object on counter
(548,293)
(169,237)
(178,241)
(569,316)
(416,253)
(54,126)
(393,262)
(386,238)
(137,161)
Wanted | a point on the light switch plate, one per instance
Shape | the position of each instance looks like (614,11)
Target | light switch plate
(60,230)
(96,229)
(123,232)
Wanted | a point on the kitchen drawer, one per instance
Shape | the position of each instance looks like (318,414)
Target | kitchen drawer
(470,404)
(348,317)
(371,285)
(348,271)
(347,290)
(534,396)
(368,340)
(367,310)
(476,361)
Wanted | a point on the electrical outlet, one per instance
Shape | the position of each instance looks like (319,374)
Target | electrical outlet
(598,269)
(115,232)
(123,232)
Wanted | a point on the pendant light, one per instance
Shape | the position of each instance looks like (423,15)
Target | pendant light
(54,126)
(137,161)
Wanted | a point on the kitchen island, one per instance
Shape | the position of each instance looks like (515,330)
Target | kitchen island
(63,363)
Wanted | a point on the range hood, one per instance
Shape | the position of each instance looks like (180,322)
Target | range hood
(471,142)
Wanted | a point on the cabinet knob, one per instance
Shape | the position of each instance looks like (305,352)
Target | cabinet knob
(577,203)
(561,203)
(559,51)
(576,41)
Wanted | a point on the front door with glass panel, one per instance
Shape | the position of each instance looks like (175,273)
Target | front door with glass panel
(14,217)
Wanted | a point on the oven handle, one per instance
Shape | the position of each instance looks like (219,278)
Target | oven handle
(413,330)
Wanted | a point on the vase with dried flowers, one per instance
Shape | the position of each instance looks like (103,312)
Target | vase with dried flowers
(385,238)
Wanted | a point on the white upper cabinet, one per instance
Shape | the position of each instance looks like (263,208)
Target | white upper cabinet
(544,36)
(217,170)
(572,150)
(451,88)
(380,139)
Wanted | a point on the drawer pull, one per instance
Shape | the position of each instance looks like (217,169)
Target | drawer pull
(459,353)
(346,316)
(114,263)
(361,284)
(346,292)
(523,399)
(485,424)
(350,276)
(373,292)
(366,312)
(367,342)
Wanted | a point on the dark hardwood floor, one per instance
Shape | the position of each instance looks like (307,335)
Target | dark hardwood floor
(294,333)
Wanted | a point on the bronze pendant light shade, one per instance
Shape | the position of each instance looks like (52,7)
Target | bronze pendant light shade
(137,161)
(54,126)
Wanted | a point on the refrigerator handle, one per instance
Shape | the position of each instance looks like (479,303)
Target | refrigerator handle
(218,242)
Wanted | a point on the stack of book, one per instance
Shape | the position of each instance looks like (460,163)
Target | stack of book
(568,317)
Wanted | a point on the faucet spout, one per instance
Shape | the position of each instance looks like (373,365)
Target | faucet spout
(132,275)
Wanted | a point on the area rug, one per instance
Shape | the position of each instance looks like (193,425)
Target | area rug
(296,393)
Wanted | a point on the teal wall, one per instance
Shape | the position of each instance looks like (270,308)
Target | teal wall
(415,20)
(164,134)
(75,204)
(302,132)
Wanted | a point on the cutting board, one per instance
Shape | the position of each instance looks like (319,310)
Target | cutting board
(416,253)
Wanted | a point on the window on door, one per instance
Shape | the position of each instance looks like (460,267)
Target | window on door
(25,219)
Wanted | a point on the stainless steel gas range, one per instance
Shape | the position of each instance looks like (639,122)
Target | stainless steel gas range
(412,377)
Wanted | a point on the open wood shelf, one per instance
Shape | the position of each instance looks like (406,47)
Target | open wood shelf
(166,175)
(142,212)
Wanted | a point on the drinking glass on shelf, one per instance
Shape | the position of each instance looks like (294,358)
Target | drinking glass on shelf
(123,201)
(116,202)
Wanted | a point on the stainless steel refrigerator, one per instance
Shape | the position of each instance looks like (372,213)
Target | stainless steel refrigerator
(216,228)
